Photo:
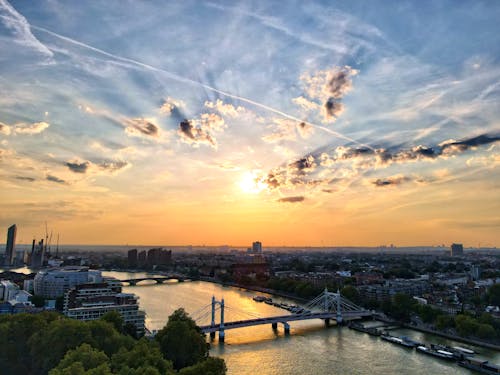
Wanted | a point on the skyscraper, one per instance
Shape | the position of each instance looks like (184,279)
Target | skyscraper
(11,244)
(457,249)
(257,247)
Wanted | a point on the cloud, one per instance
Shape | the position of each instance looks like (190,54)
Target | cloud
(228,110)
(452,146)
(24,178)
(113,166)
(199,131)
(141,127)
(328,87)
(4,129)
(295,199)
(306,104)
(170,105)
(303,165)
(21,29)
(287,130)
(78,167)
(333,109)
(390,181)
(191,134)
(55,179)
(30,129)
(105,166)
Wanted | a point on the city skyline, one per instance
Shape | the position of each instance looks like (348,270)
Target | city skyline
(292,123)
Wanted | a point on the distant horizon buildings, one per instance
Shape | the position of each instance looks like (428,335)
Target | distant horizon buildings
(10,245)
(457,249)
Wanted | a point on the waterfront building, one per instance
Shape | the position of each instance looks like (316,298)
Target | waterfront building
(10,246)
(457,249)
(8,290)
(54,282)
(141,258)
(92,301)
(158,256)
(132,258)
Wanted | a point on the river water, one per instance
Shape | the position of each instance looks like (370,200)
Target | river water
(309,349)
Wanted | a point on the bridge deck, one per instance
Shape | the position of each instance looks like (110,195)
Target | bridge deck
(285,318)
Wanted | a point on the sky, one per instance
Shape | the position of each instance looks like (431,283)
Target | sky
(318,123)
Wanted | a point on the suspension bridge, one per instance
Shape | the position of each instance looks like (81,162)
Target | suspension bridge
(327,306)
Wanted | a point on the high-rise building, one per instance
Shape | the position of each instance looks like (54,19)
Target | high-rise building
(132,258)
(11,244)
(257,247)
(457,249)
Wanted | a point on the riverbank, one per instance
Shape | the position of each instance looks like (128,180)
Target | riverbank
(452,337)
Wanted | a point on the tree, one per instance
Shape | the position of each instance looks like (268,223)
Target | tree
(181,341)
(351,293)
(83,358)
(143,356)
(494,295)
(210,366)
(114,318)
(402,306)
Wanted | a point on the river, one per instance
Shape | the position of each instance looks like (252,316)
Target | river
(309,349)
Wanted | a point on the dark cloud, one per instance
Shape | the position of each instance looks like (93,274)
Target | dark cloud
(113,166)
(390,181)
(78,167)
(140,126)
(24,178)
(194,134)
(55,179)
(333,108)
(339,81)
(465,144)
(302,164)
(295,199)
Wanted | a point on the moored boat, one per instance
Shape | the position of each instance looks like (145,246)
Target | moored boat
(480,365)
(436,353)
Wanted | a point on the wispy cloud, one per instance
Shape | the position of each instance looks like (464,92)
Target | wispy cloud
(295,199)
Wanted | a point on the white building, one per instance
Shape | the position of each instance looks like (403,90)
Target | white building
(91,301)
(54,282)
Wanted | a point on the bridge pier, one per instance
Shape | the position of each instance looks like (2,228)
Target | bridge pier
(275,326)
(327,322)
(212,335)
(287,328)
(221,336)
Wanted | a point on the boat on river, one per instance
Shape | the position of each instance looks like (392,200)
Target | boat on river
(403,340)
(443,354)
(480,365)
(361,328)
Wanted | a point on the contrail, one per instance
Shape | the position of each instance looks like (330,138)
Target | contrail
(197,83)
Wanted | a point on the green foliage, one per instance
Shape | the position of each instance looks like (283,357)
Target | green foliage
(210,366)
(465,325)
(38,301)
(47,343)
(445,321)
(181,341)
(402,306)
(427,313)
(83,358)
(114,318)
(144,355)
(351,293)
(15,333)
(494,295)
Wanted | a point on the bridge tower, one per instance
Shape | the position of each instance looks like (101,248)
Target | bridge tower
(212,323)
(339,309)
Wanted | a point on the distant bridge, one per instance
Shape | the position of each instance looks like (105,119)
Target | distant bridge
(158,279)
(327,306)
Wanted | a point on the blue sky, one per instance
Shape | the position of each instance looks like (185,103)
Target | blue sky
(321,123)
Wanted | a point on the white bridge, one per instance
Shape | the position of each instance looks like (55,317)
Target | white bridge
(327,306)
